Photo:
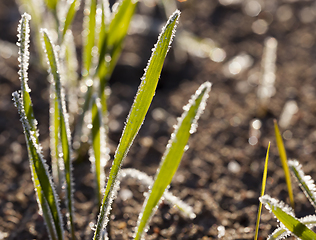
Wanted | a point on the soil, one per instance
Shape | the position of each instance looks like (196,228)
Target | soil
(220,174)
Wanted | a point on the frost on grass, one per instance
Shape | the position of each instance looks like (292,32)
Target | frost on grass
(36,158)
(271,203)
(64,129)
(185,209)
(23,45)
(305,181)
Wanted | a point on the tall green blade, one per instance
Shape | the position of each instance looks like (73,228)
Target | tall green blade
(283,158)
(171,159)
(286,217)
(136,116)
(111,43)
(264,181)
(88,35)
(99,153)
(46,195)
(73,7)
(64,131)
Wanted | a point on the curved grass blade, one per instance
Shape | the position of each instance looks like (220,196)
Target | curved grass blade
(51,4)
(286,217)
(187,125)
(305,181)
(64,131)
(46,196)
(281,232)
(136,116)
(264,181)
(88,33)
(185,209)
(99,153)
(73,7)
(283,158)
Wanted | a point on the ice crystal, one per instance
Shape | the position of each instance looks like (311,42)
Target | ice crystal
(270,203)
(305,181)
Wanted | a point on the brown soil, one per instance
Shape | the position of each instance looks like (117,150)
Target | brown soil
(220,175)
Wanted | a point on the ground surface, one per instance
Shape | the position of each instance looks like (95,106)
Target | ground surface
(220,174)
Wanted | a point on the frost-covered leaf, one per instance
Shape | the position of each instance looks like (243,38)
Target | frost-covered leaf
(144,96)
(305,181)
(187,125)
(286,216)
(46,195)
(64,130)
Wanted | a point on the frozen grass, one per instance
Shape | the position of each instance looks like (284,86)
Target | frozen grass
(104,32)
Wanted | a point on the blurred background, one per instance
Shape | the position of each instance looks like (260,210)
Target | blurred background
(260,57)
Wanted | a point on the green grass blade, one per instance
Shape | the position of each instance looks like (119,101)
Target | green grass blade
(88,33)
(286,217)
(73,7)
(111,41)
(54,140)
(173,154)
(64,131)
(98,151)
(51,4)
(305,182)
(137,114)
(283,158)
(264,181)
(46,196)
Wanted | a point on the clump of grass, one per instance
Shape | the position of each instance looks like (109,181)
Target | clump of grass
(101,51)
(289,224)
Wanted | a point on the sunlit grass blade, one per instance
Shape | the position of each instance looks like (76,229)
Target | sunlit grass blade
(264,181)
(147,181)
(64,131)
(88,34)
(187,125)
(282,232)
(305,181)
(70,67)
(283,158)
(144,96)
(54,140)
(46,196)
(285,215)
(111,42)
(99,153)
(73,7)
(51,4)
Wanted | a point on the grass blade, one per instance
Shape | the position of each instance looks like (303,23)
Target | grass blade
(46,195)
(283,158)
(305,182)
(73,7)
(112,39)
(88,33)
(98,151)
(173,154)
(64,131)
(264,181)
(51,4)
(136,116)
(286,217)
